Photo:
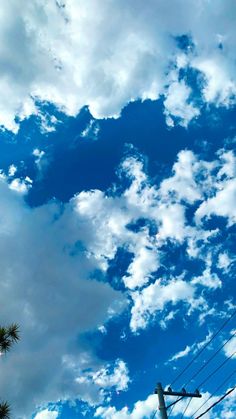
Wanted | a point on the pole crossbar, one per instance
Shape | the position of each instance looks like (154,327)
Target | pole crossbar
(182,393)
(169,392)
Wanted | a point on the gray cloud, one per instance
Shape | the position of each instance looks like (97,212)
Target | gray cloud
(46,288)
(106,55)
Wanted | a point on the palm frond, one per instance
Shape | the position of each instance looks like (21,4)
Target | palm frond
(5,345)
(13,332)
(8,336)
(4,410)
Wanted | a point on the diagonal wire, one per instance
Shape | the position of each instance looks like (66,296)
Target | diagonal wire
(210,359)
(154,414)
(203,348)
(173,406)
(214,392)
(197,355)
(217,369)
(217,402)
(200,352)
(186,407)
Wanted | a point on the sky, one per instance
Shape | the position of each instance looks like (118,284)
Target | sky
(117,205)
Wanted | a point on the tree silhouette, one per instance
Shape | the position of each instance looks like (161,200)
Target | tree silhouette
(4,410)
(8,336)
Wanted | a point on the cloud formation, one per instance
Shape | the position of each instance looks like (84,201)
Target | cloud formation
(145,408)
(48,288)
(106,55)
(55,271)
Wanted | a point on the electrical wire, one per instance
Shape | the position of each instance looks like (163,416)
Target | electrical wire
(187,406)
(204,366)
(217,369)
(167,407)
(199,353)
(176,401)
(154,414)
(217,402)
(214,392)
(203,348)
(210,359)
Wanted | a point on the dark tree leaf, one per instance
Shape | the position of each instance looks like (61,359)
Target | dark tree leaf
(4,411)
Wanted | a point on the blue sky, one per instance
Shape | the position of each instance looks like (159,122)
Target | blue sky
(118,197)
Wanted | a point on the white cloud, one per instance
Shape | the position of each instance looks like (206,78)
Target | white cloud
(208,279)
(230,347)
(47,288)
(193,180)
(224,261)
(143,265)
(91,130)
(20,185)
(180,354)
(220,86)
(222,204)
(42,162)
(49,255)
(105,378)
(47,414)
(183,183)
(142,409)
(71,55)
(12,170)
(154,298)
(177,104)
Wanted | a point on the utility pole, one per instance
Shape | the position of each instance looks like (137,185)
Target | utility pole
(162,406)
(169,392)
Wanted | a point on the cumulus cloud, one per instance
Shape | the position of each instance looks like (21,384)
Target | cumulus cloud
(146,408)
(208,279)
(105,56)
(224,261)
(154,298)
(222,204)
(177,104)
(142,409)
(50,256)
(180,354)
(105,379)
(230,348)
(47,287)
(193,182)
(47,414)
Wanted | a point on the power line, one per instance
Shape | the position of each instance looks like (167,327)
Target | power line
(217,402)
(210,359)
(201,368)
(203,348)
(176,401)
(200,352)
(167,407)
(169,392)
(186,407)
(172,408)
(154,414)
(214,392)
(217,369)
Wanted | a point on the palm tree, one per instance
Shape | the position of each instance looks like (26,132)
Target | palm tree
(8,336)
(4,410)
